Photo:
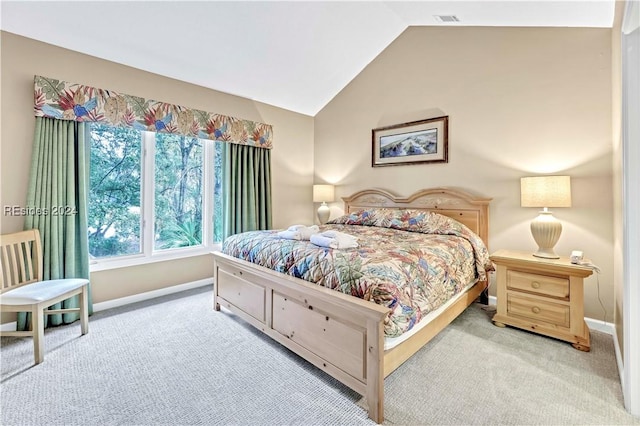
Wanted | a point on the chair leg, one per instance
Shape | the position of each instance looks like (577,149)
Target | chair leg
(37,324)
(84,310)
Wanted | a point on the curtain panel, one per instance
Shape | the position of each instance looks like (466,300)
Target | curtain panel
(247,189)
(71,101)
(57,196)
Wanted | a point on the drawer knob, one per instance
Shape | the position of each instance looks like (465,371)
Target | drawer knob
(535,284)
(535,310)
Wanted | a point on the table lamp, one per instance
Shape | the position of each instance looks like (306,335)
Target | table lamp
(545,192)
(323,194)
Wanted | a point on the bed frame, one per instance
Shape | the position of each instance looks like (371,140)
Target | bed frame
(339,333)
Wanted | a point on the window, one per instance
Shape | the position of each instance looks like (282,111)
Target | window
(151,193)
(178,187)
(115,186)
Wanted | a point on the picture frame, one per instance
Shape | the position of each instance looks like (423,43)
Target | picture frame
(415,142)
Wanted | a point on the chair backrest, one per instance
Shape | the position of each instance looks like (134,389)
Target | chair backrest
(20,259)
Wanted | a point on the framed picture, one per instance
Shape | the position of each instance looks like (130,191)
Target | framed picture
(423,141)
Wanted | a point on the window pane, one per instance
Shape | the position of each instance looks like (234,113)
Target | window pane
(178,191)
(217,192)
(114,191)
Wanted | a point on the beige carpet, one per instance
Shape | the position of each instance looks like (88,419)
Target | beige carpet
(490,375)
(176,361)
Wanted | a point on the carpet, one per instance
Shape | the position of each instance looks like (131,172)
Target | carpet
(173,360)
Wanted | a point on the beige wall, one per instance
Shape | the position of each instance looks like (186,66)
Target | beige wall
(292,155)
(521,101)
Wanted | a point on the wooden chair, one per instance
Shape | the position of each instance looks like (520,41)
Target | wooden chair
(23,290)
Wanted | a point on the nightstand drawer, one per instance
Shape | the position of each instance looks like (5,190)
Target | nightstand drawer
(538,284)
(538,310)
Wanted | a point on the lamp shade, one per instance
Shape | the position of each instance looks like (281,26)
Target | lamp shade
(545,191)
(323,193)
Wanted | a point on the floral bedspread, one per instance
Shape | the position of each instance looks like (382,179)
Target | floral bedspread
(408,260)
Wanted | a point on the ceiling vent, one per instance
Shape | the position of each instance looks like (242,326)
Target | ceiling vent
(446,18)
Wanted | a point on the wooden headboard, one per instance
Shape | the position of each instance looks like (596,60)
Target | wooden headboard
(460,205)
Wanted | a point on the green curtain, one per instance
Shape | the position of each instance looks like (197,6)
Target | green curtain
(246,177)
(57,195)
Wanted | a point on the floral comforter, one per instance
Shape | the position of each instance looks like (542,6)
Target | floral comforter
(408,260)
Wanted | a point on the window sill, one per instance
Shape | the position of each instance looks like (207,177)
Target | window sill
(108,264)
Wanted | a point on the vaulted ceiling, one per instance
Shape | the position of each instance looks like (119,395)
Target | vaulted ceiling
(294,55)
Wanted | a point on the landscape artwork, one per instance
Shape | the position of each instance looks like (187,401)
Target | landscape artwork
(415,142)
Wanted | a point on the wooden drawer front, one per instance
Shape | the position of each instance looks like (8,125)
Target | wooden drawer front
(245,295)
(538,284)
(339,344)
(538,310)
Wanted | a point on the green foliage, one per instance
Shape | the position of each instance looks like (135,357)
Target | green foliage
(114,190)
(217,193)
(178,191)
(115,205)
(184,234)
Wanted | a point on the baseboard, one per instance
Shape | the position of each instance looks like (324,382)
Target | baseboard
(616,346)
(97,307)
(594,324)
(599,325)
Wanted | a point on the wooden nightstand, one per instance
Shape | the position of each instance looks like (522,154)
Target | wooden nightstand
(545,296)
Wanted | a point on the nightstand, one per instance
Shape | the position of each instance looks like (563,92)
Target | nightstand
(545,296)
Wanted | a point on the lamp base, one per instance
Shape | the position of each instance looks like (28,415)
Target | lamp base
(323,213)
(546,230)
(546,254)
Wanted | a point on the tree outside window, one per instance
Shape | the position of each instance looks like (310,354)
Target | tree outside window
(175,205)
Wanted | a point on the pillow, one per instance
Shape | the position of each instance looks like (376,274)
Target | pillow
(387,218)
(422,221)
(360,217)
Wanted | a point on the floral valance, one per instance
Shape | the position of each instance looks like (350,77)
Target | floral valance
(71,101)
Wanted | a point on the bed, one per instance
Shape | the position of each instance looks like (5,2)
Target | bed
(340,333)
